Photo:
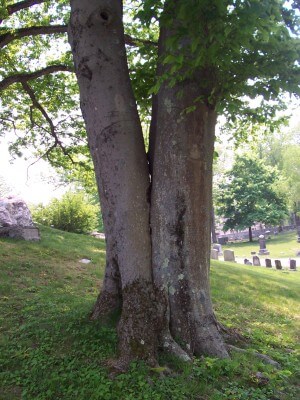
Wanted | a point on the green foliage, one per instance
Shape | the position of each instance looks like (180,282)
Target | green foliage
(72,213)
(49,349)
(291,170)
(247,195)
(231,48)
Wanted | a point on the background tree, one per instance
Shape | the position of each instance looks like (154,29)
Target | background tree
(248,196)
(211,55)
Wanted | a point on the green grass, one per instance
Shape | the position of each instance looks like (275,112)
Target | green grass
(280,246)
(50,350)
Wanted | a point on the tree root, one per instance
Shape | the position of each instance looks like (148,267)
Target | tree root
(265,358)
(169,345)
(106,305)
(230,335)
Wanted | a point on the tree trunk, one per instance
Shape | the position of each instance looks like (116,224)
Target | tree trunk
(181,217)
(116,144)
(250,234)
(213,226)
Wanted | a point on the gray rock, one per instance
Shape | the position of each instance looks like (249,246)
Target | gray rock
(293,265)
(278,264)
(15,220)
(268,262)
(256,261)
(229,255)
(214,254)
(218,247)
(14,212)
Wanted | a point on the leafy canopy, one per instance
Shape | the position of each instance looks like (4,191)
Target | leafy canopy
(234,49)
(248,195)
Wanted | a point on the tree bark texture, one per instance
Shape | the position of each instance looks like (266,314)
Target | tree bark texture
(116,144)
(181,215)
(213,226)
(163,289)
(250,234)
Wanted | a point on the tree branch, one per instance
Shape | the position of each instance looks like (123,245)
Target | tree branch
(13,8)
(37,105)
(6,38)
(33,75)
(132,41)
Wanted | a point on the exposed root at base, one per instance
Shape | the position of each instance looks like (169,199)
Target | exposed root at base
(169,345)
(106,305)
(265,358)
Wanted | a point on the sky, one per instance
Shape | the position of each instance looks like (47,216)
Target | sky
(31,183)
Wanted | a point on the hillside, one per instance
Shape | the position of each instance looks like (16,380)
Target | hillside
(49,349)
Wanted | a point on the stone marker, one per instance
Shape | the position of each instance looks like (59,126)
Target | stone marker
(298,253)
(268,262)
(253,252)
(20,232)
(218,247)
(214,254)
(247,262)
(293,265)
(278,264)
(256,261)
(262,245)
(229,255)
(15,219)
(84,261)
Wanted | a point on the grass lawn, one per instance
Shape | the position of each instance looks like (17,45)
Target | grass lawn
(280,246)
(50,350)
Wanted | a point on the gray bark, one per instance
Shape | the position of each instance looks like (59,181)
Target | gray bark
(181,151)
(116,144)
(181,216)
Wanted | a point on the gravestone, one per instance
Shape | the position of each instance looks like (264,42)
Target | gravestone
(268,262)
(229,255)
(15,219)
(278,264)
(262,245)
(214,254)
(293,265)
(247,262)
(256,261)
(218,247)
(223,240)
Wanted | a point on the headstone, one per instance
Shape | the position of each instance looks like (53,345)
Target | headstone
(247,262)
(223,240)
(218,247)
(214,254)
(229,255)
(256,261)
(298,253)
(15,219)
(278,264)
(293,265)
(268,262)
(253,252)
(262,245)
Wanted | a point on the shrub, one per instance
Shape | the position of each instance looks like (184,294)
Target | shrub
(72,213)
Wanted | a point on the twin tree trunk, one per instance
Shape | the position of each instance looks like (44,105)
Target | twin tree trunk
(157,229)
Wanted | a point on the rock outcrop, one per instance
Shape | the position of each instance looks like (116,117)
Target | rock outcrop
(16,220)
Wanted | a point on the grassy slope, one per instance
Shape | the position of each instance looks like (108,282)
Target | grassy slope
(50,350)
